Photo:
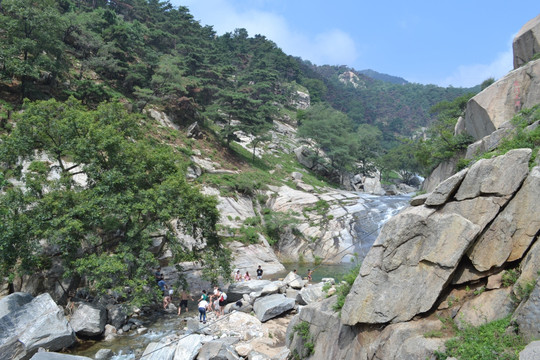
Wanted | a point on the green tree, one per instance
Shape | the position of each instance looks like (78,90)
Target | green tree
(331,132)
(31,45)
(167,84)
(132,188)
(367,147)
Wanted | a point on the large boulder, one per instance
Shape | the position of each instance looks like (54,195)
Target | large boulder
(188,347)
(14,302)
(217,350)
(39,323)
(527,42)
(238,289)
(498,176)
(89,320)
(270,306)
(486,307)
(498,103)
(334,340)
(57,356)
(239,324)
(116,316)
(416,249)
(527,314)
(294,280)
(326,331)
(162,350)
(531,351)
(310,294)
(409,341)
(513,230)
(446,189)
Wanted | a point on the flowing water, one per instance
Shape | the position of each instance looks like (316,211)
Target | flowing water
(368,223)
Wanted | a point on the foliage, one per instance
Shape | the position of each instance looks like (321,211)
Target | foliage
(216,265)
(131,187)
(343,289)
(486,83)
(442,144)
(509,277)
(302,329)
(524,137)
(31,46)
(486,342)
(277,223)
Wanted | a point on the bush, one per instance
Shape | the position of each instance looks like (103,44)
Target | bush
(486,342)
(343,289)
(302,329)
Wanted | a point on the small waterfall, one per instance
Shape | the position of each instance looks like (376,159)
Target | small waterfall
(369,221)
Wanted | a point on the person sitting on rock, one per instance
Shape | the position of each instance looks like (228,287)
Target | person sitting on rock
(237,276)
(247,277)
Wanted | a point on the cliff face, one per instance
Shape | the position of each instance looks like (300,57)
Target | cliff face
(467,233)
(488,114)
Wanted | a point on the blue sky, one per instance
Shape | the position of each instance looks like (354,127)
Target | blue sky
(458,43)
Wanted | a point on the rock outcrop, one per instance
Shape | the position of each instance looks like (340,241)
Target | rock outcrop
(527,42)
(31,325)
(467,231)
(498,103)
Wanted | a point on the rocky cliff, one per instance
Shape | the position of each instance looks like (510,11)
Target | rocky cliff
(445,256)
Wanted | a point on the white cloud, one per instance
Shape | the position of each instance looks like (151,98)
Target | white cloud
(330,47)
(471,75)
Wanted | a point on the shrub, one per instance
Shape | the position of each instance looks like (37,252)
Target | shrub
(486,342)
(250,235)
(302,329)
(509,277)
(343,289)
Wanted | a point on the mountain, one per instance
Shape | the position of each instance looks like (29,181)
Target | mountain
(384,77)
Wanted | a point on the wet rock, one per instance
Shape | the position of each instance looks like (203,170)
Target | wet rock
(57,356)
(104,354)
(39,323)
(89,320)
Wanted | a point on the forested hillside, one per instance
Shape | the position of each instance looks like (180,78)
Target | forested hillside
(99,180)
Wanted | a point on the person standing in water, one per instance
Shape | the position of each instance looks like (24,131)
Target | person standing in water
(184,300)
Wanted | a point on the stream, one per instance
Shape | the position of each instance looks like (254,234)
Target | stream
(368,223)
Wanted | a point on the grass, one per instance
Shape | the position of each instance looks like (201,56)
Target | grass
(486,342)
(344,288)
(302,329)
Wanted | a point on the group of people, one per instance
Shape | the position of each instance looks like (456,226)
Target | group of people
(215,302)
(168,292)
(238,276)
